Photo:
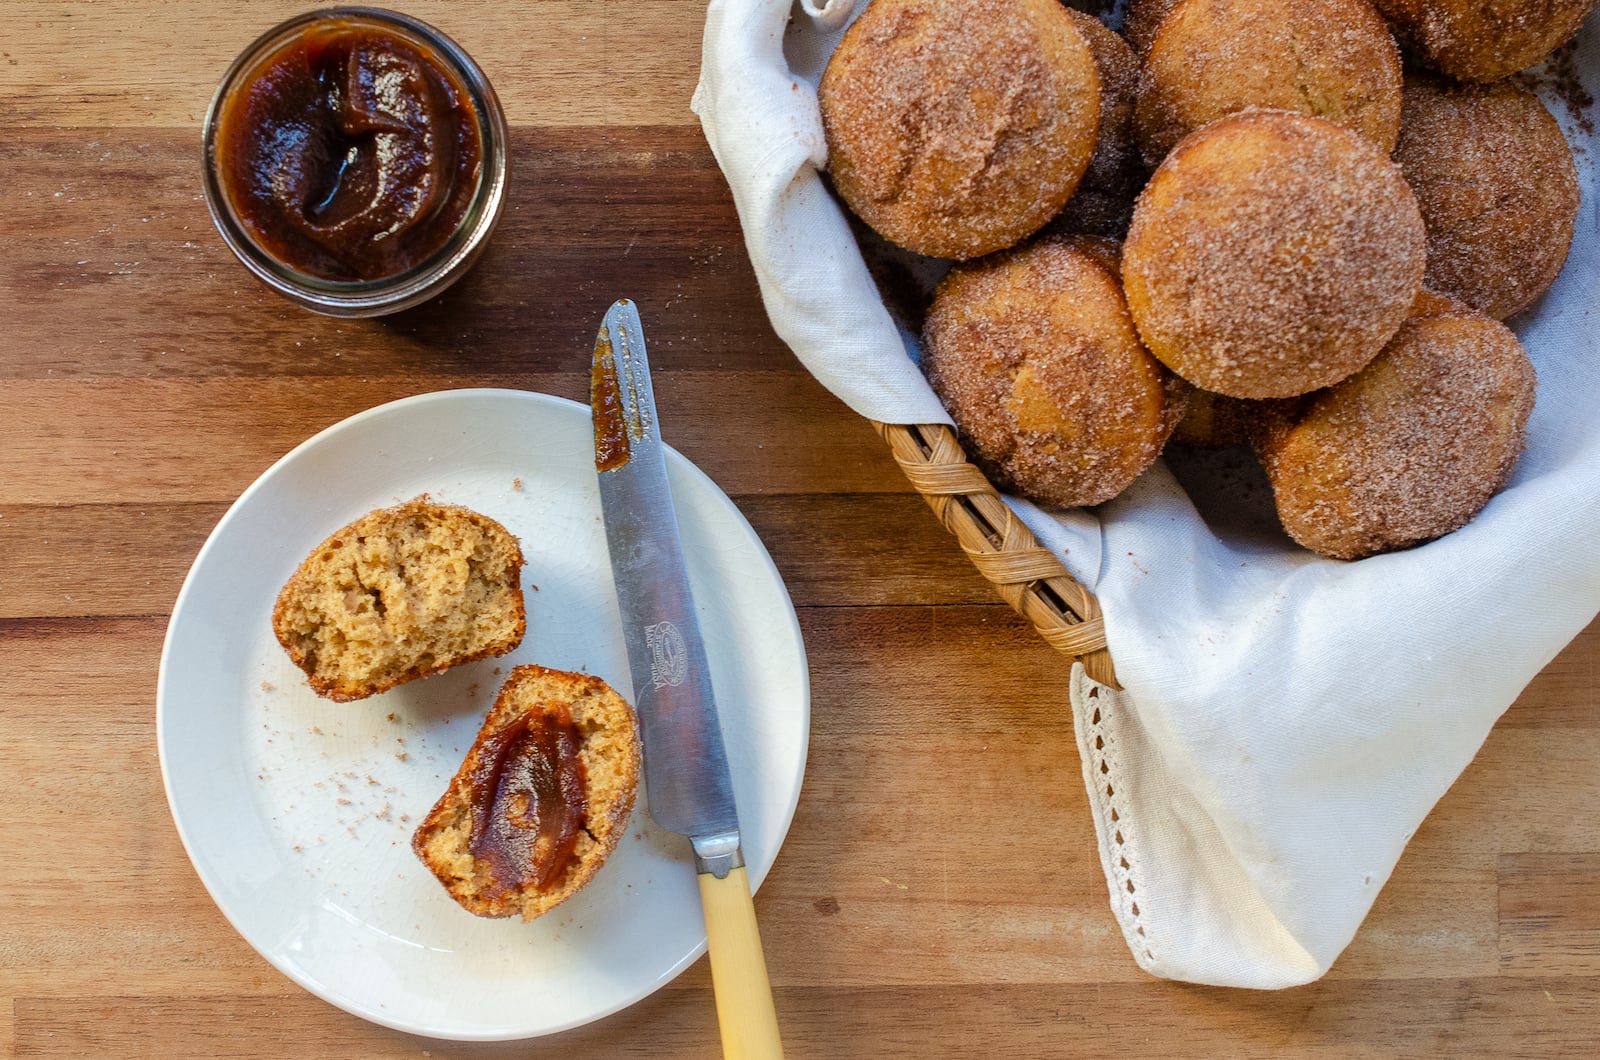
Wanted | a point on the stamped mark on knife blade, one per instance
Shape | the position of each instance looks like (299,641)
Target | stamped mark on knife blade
(669,659)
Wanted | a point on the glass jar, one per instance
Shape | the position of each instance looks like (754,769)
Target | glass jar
(325,151)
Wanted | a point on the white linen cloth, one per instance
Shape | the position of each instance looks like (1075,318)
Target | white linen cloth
(1288,720)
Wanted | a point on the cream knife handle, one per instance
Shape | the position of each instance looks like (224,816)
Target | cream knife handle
(738,969)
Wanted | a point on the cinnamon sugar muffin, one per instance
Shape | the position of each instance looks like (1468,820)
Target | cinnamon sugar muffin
(1333,59)
(1411,447)
(1484,40)
(1102,205)
(958,128)
(1272,254)
(399,594)
(1497,187)
(1034,354)
(542,798)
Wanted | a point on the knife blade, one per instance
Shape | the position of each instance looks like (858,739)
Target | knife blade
(688,784)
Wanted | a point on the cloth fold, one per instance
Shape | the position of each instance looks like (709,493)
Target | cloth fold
(1286,721)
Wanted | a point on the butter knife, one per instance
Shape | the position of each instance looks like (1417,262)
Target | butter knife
(685,764)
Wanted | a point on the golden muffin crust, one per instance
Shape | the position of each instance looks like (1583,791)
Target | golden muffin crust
(1272,254)
(399,594)
(1483,40)
(1410,448)
(1332,59)
(1497,187)
(958,128)
(609,749)
(1034,354)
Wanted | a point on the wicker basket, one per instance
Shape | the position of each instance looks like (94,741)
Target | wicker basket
(1030,578)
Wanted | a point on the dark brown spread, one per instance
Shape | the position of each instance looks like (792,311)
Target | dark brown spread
(611,449)
(529,798)
(351,152)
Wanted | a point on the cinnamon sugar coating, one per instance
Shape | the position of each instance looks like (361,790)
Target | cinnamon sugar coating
(1272,254)
(1497,187)
(1333,59)
(1107,252)
(1102,205)
(1410,448)
(1483,40)
(1142,21)
(1432,304)
(1035,356)
(958,128)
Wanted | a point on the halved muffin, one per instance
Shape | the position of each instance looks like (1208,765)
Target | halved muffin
(399,594)
(541,799)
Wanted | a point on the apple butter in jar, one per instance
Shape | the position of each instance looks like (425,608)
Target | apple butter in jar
(355,160)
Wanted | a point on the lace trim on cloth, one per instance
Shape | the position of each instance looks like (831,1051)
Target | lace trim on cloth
(1187,907)
(1095,708)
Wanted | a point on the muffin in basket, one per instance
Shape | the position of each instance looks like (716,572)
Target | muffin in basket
(958,128)
(1409,448)
(1035,356)
(1483,40)
(1272,254)
(1497,186)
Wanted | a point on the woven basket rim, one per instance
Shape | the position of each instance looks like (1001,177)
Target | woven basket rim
(1027,576)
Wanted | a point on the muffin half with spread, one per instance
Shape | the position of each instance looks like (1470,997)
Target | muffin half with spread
(542,798)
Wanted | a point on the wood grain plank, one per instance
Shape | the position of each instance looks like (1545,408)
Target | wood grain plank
(137,906)
(80,692)
(901,885)
(114,261)
(1566,694)
(866,549)
(76,675)
(887,878)
(173,941)
(678,1021)
(551,61)
(905,672)
(94,671)
(1550,914)
(869,548)
(1480,1017)
(205,440)
(144,552)
(1436,918)
(939,893)
(1484,1017)
(1542,796)
(124,811)
(879,873)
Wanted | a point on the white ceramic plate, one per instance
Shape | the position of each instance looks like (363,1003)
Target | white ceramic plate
(297,811)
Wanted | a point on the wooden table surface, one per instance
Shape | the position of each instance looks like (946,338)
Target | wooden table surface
(939,893)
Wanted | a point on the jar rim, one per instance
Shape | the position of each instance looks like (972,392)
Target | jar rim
(428,277)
